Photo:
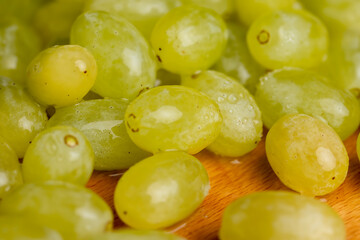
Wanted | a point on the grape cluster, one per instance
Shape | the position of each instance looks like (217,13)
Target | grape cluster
(141,85)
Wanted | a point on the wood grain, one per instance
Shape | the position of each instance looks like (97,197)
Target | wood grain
(232,178)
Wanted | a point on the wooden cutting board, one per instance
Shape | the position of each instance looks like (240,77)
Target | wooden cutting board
(232,178)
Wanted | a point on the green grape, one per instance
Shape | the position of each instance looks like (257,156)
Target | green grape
(126,65)
(132,234)
(74,211)
(306,154)
(54,20)
(21,9)
(142,13)
(173,118)
(282,216)
(10,172)
(249,10)
(59,153)
(242,125)
(337,14)
(161,190)
(223,7)
(189,38)
(343,62)
(292,90)
(18,228)
(288,38)
(102,122)
(167,78)
(237,61)
(18,45)
(21,117)
(61,75)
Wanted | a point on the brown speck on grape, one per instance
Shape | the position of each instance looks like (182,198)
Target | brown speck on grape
(263,37)
(132,129)
(333,178)
(125,212)
(194,76)
(158,57)
(143,90)
(71,141)
(85,71)
(160,49)
(132,115)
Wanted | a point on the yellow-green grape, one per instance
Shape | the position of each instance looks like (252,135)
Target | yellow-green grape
(237,61)
(292,90)
(288,38)
(10,172)
(59,153)
(21,9)
(132,234)
(74,211)
(164,77)
(161,190)
(19,44)
(337,14)
(126,64)
(223,7)
(282,216)
(61,75)
(54,20)
(306,154)
(102,122)
(241,129)
(142,13)
(189,38)
(248,11)
(169,118)
(18,228)
(21,117)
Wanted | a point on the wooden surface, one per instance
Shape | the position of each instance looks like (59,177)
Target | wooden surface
(231,178)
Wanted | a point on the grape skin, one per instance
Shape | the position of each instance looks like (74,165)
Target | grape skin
(132,234)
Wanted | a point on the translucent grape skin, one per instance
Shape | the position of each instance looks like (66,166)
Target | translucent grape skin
(248,11)
(74,211)
(21,117)
(223,7)
(306,154)
(18,228)
(10,172)
(19,44)
(61,75)
(59,153)
(161,190)
(280,215)
(102,122)
(241,130)
(132,234)
(173,118)
(237,61)
(311,94)
(126,64)
(142,13)
(189,38)
(288,39)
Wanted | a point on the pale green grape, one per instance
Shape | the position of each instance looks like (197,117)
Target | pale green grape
(282,216)
(142,13)
(223,7)
(59,153)
(237,61)
(21,9)
(292,90)
(249,10)
(161,190)
(306,154)
(18,45)
(74,211)
(241,129)
(18,228)
(54,20)
(10,172)
(164,77)
(173,118)
(131,234)
(61,75)
(189,38)
(21,117)
(288,38)
(126,65)
(337,14)
(102,122)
